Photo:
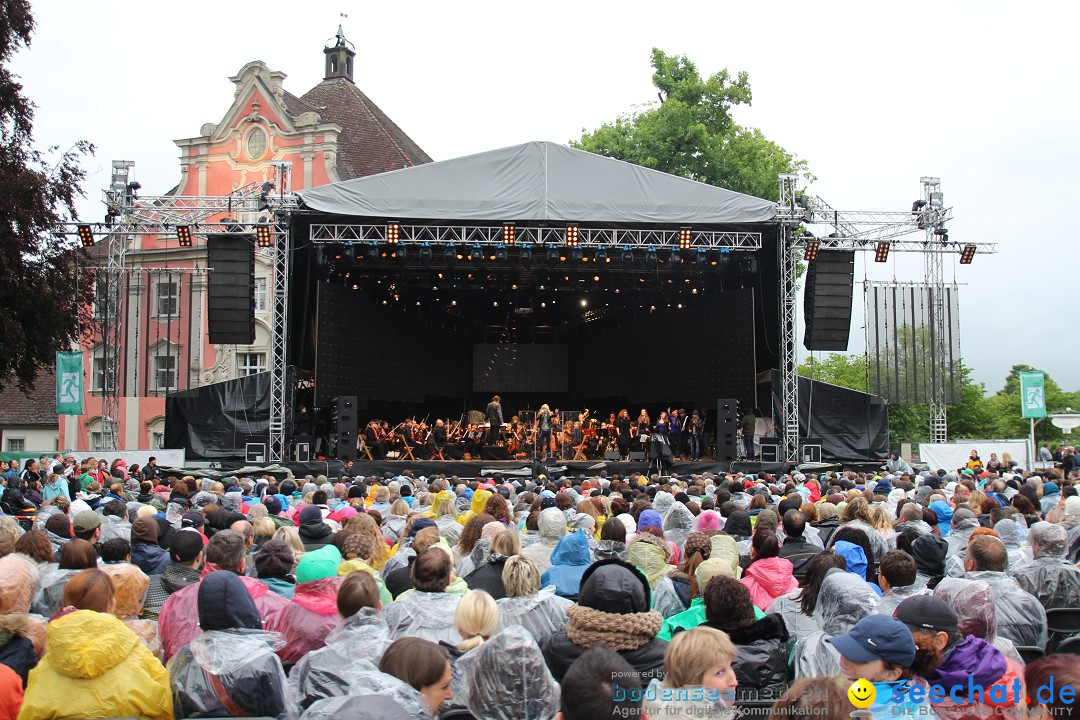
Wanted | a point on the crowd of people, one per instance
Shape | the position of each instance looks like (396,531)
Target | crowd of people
(126,594)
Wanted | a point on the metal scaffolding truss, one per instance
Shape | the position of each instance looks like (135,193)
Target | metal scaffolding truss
(529,235)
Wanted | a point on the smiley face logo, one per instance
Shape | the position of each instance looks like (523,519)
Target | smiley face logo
(862,693)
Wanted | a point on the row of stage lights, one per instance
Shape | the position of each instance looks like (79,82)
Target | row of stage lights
(881,252)
(572,238)
(264,235)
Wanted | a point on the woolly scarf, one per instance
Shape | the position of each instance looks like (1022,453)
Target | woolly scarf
(588,627)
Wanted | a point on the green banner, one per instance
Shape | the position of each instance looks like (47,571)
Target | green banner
(1033,394)
(69,383)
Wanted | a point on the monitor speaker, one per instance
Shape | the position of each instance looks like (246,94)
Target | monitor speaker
(770,450)
(827,300)
(612,455)
(346,427)
(230,311)
(637,456)
(727,430)
(255,453)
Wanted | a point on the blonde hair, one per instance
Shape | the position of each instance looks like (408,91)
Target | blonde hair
(520,576)
(146,511)
(364,524)
(690,654)
(445,507)
(879,518)
(264,527)
(400,507)
(507,542)
(291,537)
(382,494)
(476,618)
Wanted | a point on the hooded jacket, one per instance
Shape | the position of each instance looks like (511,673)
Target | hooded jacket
(175,577)
(844,599)
(542,613)
(929,551)
(314,533)
(476,505)
(610,550)
(552,527)
(508,680)
(97,665)
(768,579)
(16,648)
(426,615)
(760,663)
(651,556)
(678,524)
(310,617)
(1009,533)
(944,515)
(620,595)
(230,668)
(570,559)
(1053,580)
(488,576)
(975,661)
(354,647)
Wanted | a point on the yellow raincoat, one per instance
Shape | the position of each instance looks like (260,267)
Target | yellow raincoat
(439,497)
(476,507)
(96,667)
(358,565)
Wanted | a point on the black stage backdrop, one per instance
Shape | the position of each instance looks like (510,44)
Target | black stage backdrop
(216,421)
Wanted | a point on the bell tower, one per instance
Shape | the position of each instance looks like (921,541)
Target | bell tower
(339,54)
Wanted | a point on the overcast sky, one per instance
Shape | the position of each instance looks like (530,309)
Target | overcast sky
(872,95)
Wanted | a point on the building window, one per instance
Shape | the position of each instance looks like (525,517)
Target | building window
(99,379)
(167,297)
(256,143)
(260,294)
(16,444)
(164,372)
(250,363)
(157,441)
(97,442)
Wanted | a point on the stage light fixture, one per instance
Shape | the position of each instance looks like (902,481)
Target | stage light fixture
(86,235)
(572,234)
(402,254)
(183,234)
(425,253)
(811,251)
(450,254)
(393,231)
(699,257)
(602,257)
(509,232)
(263,237)
(476,254)
(674,261)
(501,254)
(650,258)
(525,256)
(627,256)
(576,255)
(685,235)
(553,256)
(882,252)
(967,254)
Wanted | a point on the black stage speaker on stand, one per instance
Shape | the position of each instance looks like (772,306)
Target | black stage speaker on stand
(810,450)
(346,427)
(770,450)
(827,300)
(230,309)
(727,430)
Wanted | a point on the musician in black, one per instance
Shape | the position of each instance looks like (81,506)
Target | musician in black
(544,425)
(695,430)
(451,451)
(623,437)
(373,440)
(473,438)
(494,417)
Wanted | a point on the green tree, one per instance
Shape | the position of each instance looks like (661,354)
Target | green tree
(692,134)
(44,299)
(847,371)
(1006,413)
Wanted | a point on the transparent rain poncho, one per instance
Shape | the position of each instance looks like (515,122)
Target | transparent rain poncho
(666,600)
(977,611)
(844,599)
(351,651)
(115,527)
(678,524)
(1051,579)
(240,661)
(50,592)
(542,613)
(367,683)
(449,528)
(424,615)
(552,526)
(663,502)
(509,679)
(650,554)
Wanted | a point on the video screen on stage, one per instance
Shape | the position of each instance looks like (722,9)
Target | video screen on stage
(520,368)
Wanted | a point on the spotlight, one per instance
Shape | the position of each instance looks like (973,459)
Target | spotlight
(674,261)
(393,230)
(86,235)
(650,258)
(967,254)
(500,253)
(572,233)
(476,254)
(450,254)
(602,256)
(576,255)
(425,253)
(812,247)
(685,235)
(371,252)
(402,254)
(882,252)
(525,257)
(553,256)
(263,238)
(183,234)
(699,257)
(508,233)
(627,256)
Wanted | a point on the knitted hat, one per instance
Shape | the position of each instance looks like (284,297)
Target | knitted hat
(273,505)
(318,564)
(275,559)
(59,524)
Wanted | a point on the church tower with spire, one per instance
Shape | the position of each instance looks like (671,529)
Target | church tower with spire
(339,54)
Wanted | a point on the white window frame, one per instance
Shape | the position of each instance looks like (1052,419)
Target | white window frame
(168,280)
(19,440)
(97,441)
(244,366)
(262,284)
(98,378)
(175,370)
(157,440)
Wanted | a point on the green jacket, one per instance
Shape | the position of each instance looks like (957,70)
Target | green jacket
(690,618)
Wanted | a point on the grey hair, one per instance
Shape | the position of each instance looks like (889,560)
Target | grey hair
(226,550)
(1050,537)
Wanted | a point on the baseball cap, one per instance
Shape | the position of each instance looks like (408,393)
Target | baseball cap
(86,521)
(185,546)
(926,612)
(877,637)
(192,520)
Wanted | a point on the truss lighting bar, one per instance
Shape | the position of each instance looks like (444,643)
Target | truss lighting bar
(393,230)
(685,237)
(508,233)
(263,238)
(882,252)
(967,254)
(572,235)
(183,235)
(811,251)
(86,235)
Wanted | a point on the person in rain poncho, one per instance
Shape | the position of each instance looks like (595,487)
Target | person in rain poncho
(25,633)
(129,585)
(768,576)
(230,668)
(569,559)
(612,545)
(114,522)
(651,555)
(482,549)
(652,519)
(976,613)
(77,555)
(678,524)
(699,663)
(964,524)
(798,607)
(377,696)
(929,553)
(552,527)
(351,651)
(423,665)
(844,600)
(1021,618)
(1049,576)
(538,610)
(510,681)
(1009,533)
(312,615)
(427,611)
(897,578)
(94,664)
(446,519)
(674,593)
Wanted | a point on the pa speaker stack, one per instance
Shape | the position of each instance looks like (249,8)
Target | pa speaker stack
(727,430)
(827,300)
(346,427)
(231,289)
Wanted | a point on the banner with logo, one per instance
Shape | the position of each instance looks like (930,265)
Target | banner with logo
(1033,394)
(69,383)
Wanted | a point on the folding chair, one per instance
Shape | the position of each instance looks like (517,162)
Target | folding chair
(1062,623)
(1070,646)
(406,453)
(1030,653)
(367,452)
(579,452)
(435,451)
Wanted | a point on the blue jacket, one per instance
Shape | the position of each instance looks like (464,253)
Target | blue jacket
(569,561)
(151,559)
(855,558)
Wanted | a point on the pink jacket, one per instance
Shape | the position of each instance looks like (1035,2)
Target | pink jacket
(309,618)
(768,579)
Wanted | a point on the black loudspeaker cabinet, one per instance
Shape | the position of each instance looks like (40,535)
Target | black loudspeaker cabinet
(827,300)
(612,455)
(346,427)
(810,450)
(770,450)
(230,299)
(301,452)
(727,430)
(637,456)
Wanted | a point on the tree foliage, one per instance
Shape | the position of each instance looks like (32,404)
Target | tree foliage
(691,132)
(44,297)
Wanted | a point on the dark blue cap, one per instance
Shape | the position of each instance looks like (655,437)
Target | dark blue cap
(877,637)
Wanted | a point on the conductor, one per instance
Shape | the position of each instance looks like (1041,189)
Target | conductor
(495,420)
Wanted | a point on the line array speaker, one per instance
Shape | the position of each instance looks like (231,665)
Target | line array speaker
(727,430)
(346,427)
(230,316)
(827,300)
